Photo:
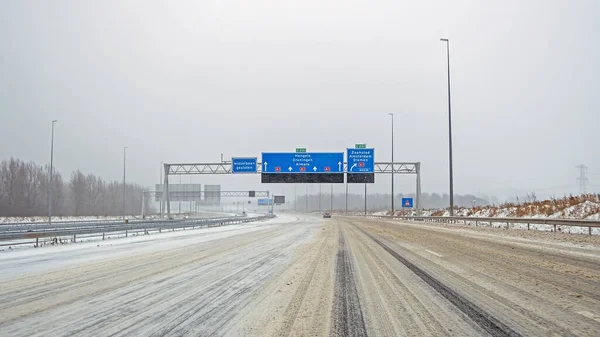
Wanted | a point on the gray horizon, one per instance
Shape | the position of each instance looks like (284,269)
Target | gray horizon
(187,81)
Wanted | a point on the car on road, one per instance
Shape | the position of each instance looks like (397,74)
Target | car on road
(326,215)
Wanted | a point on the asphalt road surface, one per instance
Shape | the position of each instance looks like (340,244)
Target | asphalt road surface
(300,275)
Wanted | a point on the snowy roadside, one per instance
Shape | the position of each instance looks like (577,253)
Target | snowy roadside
(96,249)
(44,219)
(134,233)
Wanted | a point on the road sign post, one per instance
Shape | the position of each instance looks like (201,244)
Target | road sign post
(264,202)
(361,165)
(307,167)
(243,165)
(407,202)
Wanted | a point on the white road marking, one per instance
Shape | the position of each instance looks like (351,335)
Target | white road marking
(434,253)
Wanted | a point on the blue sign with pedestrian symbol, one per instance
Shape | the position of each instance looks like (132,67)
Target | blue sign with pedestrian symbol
(243,165)
(361,160)
(407,202)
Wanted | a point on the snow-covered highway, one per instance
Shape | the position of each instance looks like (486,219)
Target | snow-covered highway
(301,275)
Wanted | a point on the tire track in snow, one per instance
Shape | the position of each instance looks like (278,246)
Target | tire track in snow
(347,316)
(489,323)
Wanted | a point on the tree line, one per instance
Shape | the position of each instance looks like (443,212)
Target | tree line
(379,201)
(24,190)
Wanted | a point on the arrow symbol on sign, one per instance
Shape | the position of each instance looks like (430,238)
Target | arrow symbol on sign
(290,169)
(339,165)
(266,166)
(315,168)
(353,166)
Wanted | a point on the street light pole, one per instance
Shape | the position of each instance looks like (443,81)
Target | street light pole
(450,131)
(391,114)
(50,177)
(124,161)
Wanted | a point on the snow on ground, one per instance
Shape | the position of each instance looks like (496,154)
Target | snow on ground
(44,219)
(16,219)
(61,255)
(585,206)
(97,237)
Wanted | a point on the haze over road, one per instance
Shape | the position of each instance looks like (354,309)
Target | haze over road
(301,275)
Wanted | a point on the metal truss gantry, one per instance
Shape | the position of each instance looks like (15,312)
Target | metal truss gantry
(225,168)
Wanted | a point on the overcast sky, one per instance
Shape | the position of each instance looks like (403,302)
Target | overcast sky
(184,81)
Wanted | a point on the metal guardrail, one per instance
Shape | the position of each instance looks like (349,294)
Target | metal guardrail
(85,230)
(30,227)
(466,219)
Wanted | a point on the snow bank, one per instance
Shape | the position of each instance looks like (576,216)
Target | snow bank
(585,206)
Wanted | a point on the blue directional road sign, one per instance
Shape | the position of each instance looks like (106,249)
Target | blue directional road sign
(407,202)
(361,160)
(243,165)
(265,202)
(309,162)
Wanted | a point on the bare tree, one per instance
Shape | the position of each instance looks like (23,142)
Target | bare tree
(24,191)
(77,187)
(32,181)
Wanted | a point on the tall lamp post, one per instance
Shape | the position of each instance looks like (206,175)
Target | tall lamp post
(450,130)
(391,114)
(50,177)
(124,160)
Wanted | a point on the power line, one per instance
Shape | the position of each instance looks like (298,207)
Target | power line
(582,179)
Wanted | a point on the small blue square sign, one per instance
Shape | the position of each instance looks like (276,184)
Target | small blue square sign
(407,202)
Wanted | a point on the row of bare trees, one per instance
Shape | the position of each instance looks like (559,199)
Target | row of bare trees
(24,192)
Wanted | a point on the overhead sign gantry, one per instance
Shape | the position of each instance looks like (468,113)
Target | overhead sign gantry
(303,167)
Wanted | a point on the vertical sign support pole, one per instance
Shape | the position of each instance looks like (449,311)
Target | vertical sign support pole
(162,204)
(166,195)
(306,209)
(319,198)
(418,196)
(331,201)
(346,193)
(143,203)
(365,198)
